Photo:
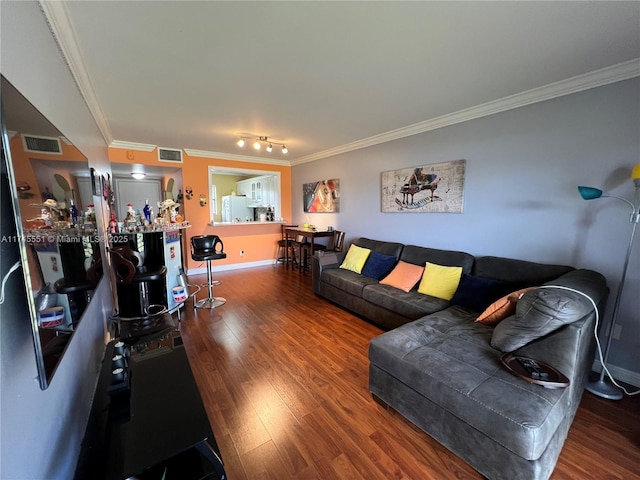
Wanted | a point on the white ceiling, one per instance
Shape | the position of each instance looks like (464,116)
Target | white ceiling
(329,77)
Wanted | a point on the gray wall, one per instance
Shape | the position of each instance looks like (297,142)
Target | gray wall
(520,196)
(40,430)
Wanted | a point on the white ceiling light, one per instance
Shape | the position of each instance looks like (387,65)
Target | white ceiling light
(259,140)
(138,175)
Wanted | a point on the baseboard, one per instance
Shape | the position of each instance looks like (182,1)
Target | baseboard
(229,266)
(621,374)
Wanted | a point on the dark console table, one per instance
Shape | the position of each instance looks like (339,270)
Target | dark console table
(153,428)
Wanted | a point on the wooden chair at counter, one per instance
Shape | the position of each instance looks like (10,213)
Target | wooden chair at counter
(286,247)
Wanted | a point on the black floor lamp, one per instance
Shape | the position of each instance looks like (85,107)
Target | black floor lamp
(601,387)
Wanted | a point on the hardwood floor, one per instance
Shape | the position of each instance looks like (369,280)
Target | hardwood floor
(284,378)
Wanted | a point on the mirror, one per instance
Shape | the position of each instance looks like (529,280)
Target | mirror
(51,185)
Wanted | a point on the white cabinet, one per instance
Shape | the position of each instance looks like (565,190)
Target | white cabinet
(262,191)
(244,188)
(270,193)
(256,191)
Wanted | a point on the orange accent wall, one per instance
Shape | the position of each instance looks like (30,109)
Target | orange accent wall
(257,241)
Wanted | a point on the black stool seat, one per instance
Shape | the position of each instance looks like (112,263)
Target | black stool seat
(78,296)
(203,256)
(62,286)
(147,274)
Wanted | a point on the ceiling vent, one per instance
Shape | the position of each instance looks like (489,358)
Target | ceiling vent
(169,155)
(37,144)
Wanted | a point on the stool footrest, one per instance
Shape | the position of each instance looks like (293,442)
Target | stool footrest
(210,303)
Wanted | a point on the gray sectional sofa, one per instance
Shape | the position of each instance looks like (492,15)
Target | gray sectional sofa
(443,371)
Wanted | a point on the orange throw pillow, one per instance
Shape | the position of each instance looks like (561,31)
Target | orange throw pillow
(502,308)
(404,276)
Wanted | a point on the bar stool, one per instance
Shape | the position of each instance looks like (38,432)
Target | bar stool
(306,252)
(78,296)
(208,248)
(286,245)
(338,241)
(129,270)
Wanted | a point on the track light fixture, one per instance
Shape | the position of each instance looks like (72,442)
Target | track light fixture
(258,141)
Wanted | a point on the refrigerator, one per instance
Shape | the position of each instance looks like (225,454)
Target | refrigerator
(234,208)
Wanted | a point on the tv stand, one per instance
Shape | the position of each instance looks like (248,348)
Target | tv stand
(155,426)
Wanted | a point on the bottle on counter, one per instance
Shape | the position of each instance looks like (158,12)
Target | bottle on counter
(74,213)
(147,211)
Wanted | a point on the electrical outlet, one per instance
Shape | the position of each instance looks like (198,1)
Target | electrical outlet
(242,253)
(617,331)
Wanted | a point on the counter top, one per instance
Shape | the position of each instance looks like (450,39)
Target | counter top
(237,224)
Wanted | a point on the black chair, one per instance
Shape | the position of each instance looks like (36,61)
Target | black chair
(78,297)
(128,268)
(286,248)
(306,252)
(338,241)
(206,248)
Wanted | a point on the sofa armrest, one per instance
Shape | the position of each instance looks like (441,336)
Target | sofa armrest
(322,261)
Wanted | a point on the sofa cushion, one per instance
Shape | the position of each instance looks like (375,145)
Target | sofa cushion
(355,259)
(440,281)
(378,265)
(446,357)
(404,276)
(502,308)
(346,280)
(386,248)
(411,305)
(544,310)
(518,273)
(448,258)
(477,293)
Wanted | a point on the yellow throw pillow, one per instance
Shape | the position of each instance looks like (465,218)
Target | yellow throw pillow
(502,308)
(355,259)
(404,276)
(440,281)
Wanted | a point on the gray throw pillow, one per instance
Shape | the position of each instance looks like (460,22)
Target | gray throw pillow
(538,313)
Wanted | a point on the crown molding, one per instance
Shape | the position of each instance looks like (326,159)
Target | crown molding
(57,18)
(597,78)
(143,147)
(230,156)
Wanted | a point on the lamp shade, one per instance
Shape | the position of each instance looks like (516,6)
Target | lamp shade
(589,193)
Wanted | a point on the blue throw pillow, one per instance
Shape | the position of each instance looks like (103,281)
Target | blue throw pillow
(477,293)
(378,265)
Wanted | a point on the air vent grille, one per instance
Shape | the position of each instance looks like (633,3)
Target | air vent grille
(169,155)
(32,143)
